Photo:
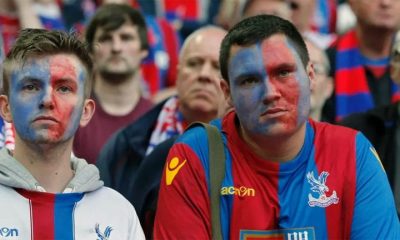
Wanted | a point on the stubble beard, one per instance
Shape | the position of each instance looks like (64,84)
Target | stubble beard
(117,77)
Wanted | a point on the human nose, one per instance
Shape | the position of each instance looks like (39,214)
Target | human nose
(207,73)
(386,3)
(116,45)
(270,90)
(47,99)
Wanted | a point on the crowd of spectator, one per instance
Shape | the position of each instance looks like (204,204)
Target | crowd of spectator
(159,66)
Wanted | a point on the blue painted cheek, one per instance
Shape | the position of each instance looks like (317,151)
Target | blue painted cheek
(24,108)
(249,106)
(74,122)
(24,111)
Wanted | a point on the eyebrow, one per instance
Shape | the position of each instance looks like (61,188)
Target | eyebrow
(248,70)
(65,80)
(30,78)
(281,65)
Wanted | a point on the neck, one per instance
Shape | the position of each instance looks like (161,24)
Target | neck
(49,164)
(276,149)
(120,98)
(374,47)
(316,114)
(196,115)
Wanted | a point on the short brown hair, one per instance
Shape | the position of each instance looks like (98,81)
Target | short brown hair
(41,42)
(112,16)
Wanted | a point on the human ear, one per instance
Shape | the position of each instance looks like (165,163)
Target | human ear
(311,75)
(227,92)
(329,87)
(144,53)
(87,112)
(5,110)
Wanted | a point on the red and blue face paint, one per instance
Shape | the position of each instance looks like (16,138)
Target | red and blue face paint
(46,98)
(269,86)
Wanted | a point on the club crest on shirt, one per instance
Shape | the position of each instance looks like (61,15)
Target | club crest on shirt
(103,235)
(319,186)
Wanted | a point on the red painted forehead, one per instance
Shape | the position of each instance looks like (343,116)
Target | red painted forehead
(64,67)
(277,50)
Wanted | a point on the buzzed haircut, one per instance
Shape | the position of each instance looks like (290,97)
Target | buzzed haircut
(254,29)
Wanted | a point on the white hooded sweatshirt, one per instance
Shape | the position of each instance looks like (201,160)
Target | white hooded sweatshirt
(85,210)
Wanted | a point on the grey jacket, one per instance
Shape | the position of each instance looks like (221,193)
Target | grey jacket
(15,175)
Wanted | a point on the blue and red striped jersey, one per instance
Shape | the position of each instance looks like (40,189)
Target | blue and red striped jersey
(101,214)
(334,188)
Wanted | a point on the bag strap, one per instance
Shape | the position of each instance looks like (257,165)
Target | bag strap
(217,174)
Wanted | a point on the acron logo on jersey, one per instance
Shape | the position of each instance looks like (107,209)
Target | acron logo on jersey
(238,191)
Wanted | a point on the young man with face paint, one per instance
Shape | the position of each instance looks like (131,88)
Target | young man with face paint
(286,176)
(47,82)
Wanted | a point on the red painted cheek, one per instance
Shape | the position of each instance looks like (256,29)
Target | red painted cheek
(290,94)
(60,68)
(63,114)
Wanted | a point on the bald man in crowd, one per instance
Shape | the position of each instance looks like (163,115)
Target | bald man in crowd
(199,98)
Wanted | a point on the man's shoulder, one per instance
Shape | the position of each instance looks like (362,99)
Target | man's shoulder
(136,133)
(196,134)
(108,198)
(109,193)
(375,117)
(7,192)
(332,132)
(144,124)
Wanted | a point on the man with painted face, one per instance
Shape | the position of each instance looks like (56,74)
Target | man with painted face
(46,193)
(285,175)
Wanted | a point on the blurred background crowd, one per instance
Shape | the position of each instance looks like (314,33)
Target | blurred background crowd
(352,45)
(169,22)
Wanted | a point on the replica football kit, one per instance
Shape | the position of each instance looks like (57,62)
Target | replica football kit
(335,188)
(85,210)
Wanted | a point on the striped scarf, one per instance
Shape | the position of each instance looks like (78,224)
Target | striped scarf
(351,85)
(169,123)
